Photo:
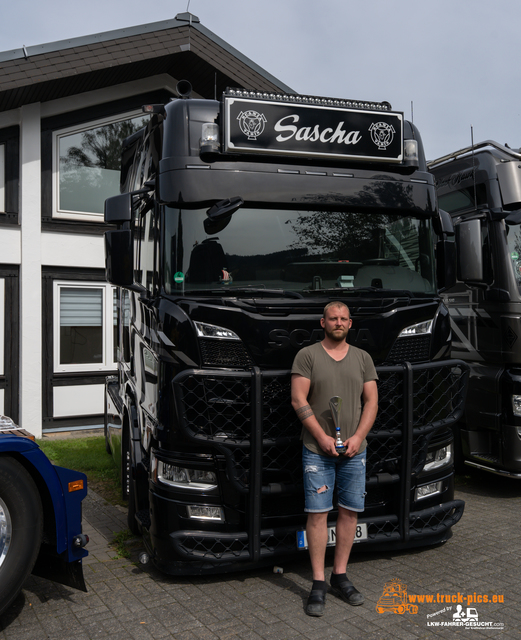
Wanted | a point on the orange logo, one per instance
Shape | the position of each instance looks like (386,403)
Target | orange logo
(394,598)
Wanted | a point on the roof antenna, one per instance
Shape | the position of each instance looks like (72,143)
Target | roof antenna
(412,112)
(188,6)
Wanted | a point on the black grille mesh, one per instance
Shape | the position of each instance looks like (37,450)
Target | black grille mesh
(219,407)
(410,349)
(229,408)
(224,353)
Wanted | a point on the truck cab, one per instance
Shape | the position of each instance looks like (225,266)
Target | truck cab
(480,186)
(238,221)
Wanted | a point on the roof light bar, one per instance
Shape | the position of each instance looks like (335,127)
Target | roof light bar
(323,102)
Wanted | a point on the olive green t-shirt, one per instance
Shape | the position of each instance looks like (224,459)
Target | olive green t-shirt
(329,377)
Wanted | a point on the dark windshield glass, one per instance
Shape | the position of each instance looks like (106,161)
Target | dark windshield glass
(297,251)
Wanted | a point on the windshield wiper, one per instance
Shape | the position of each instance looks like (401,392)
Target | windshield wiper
(357,290)
(265,293)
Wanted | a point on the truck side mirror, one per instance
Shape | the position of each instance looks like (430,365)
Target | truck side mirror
(445,251)
(509,177)
(119,243)
(446,264)
(118,209)
(470,256)
(119,257)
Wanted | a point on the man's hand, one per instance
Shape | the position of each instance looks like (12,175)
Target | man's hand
(352,445)
(328,445)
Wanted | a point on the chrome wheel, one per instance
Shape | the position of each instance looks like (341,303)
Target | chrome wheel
(6,530)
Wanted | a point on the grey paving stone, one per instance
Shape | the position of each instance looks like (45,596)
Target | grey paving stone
(125,601)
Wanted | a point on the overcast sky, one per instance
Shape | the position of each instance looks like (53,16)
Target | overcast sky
(455,61)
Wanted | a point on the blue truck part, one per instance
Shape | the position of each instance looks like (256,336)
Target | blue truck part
(40,516)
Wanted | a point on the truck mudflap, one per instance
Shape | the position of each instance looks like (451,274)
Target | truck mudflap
(246,417)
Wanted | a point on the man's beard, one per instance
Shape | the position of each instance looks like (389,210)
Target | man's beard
(339,335)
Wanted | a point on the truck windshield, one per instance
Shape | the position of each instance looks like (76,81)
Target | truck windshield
(297,251)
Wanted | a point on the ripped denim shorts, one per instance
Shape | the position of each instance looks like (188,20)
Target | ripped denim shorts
(323,473)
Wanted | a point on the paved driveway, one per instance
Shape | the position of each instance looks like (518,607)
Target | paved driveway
(126,602)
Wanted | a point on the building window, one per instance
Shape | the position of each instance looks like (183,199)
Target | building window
(86,166)
(83,327)
(2,178)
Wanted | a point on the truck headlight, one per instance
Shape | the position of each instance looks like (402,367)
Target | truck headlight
(200,512)
(439,458)
(180,477)
(428,490)
(205,330)
(419,329)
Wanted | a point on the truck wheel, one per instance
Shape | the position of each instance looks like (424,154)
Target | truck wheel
(21,524)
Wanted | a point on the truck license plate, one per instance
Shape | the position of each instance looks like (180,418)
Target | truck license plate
(361,534)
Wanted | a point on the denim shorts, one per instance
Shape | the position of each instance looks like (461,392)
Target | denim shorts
(323,473)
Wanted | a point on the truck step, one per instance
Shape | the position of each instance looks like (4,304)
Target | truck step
(143,517)
(486,457)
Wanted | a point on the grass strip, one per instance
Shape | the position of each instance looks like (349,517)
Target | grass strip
(88,455)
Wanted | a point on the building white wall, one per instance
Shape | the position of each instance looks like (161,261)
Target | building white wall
(71,250)
(33,250)
(30,271)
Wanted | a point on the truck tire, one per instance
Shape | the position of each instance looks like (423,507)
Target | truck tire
(21,525)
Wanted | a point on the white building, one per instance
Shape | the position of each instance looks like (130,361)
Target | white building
(64,108)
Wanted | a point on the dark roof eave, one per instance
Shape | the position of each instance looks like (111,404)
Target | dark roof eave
(181,20)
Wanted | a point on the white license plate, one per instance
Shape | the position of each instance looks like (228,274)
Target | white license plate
(361,534)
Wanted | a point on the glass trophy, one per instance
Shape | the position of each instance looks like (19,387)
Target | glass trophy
(335,404)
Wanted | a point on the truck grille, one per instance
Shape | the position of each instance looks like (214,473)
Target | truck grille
(410,349)
(223,353)
(233,408)
(247,417)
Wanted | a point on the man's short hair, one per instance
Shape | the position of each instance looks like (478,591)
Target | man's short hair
(337,303)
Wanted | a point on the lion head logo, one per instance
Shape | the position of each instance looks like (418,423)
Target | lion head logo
(382,134)
(252,123)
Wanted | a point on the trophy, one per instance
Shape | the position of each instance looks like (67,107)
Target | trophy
(335,405)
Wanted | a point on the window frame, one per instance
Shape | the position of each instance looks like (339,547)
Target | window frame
(107,333)
(57,135)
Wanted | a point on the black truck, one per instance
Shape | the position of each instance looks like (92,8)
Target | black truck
(480,186)
(238,221)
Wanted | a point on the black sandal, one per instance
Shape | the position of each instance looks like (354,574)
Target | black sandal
(344,588)
(316,602)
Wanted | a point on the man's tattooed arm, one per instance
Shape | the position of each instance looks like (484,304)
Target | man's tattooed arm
(304,412)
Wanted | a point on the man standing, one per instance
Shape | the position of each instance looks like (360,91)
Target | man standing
(323,370)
